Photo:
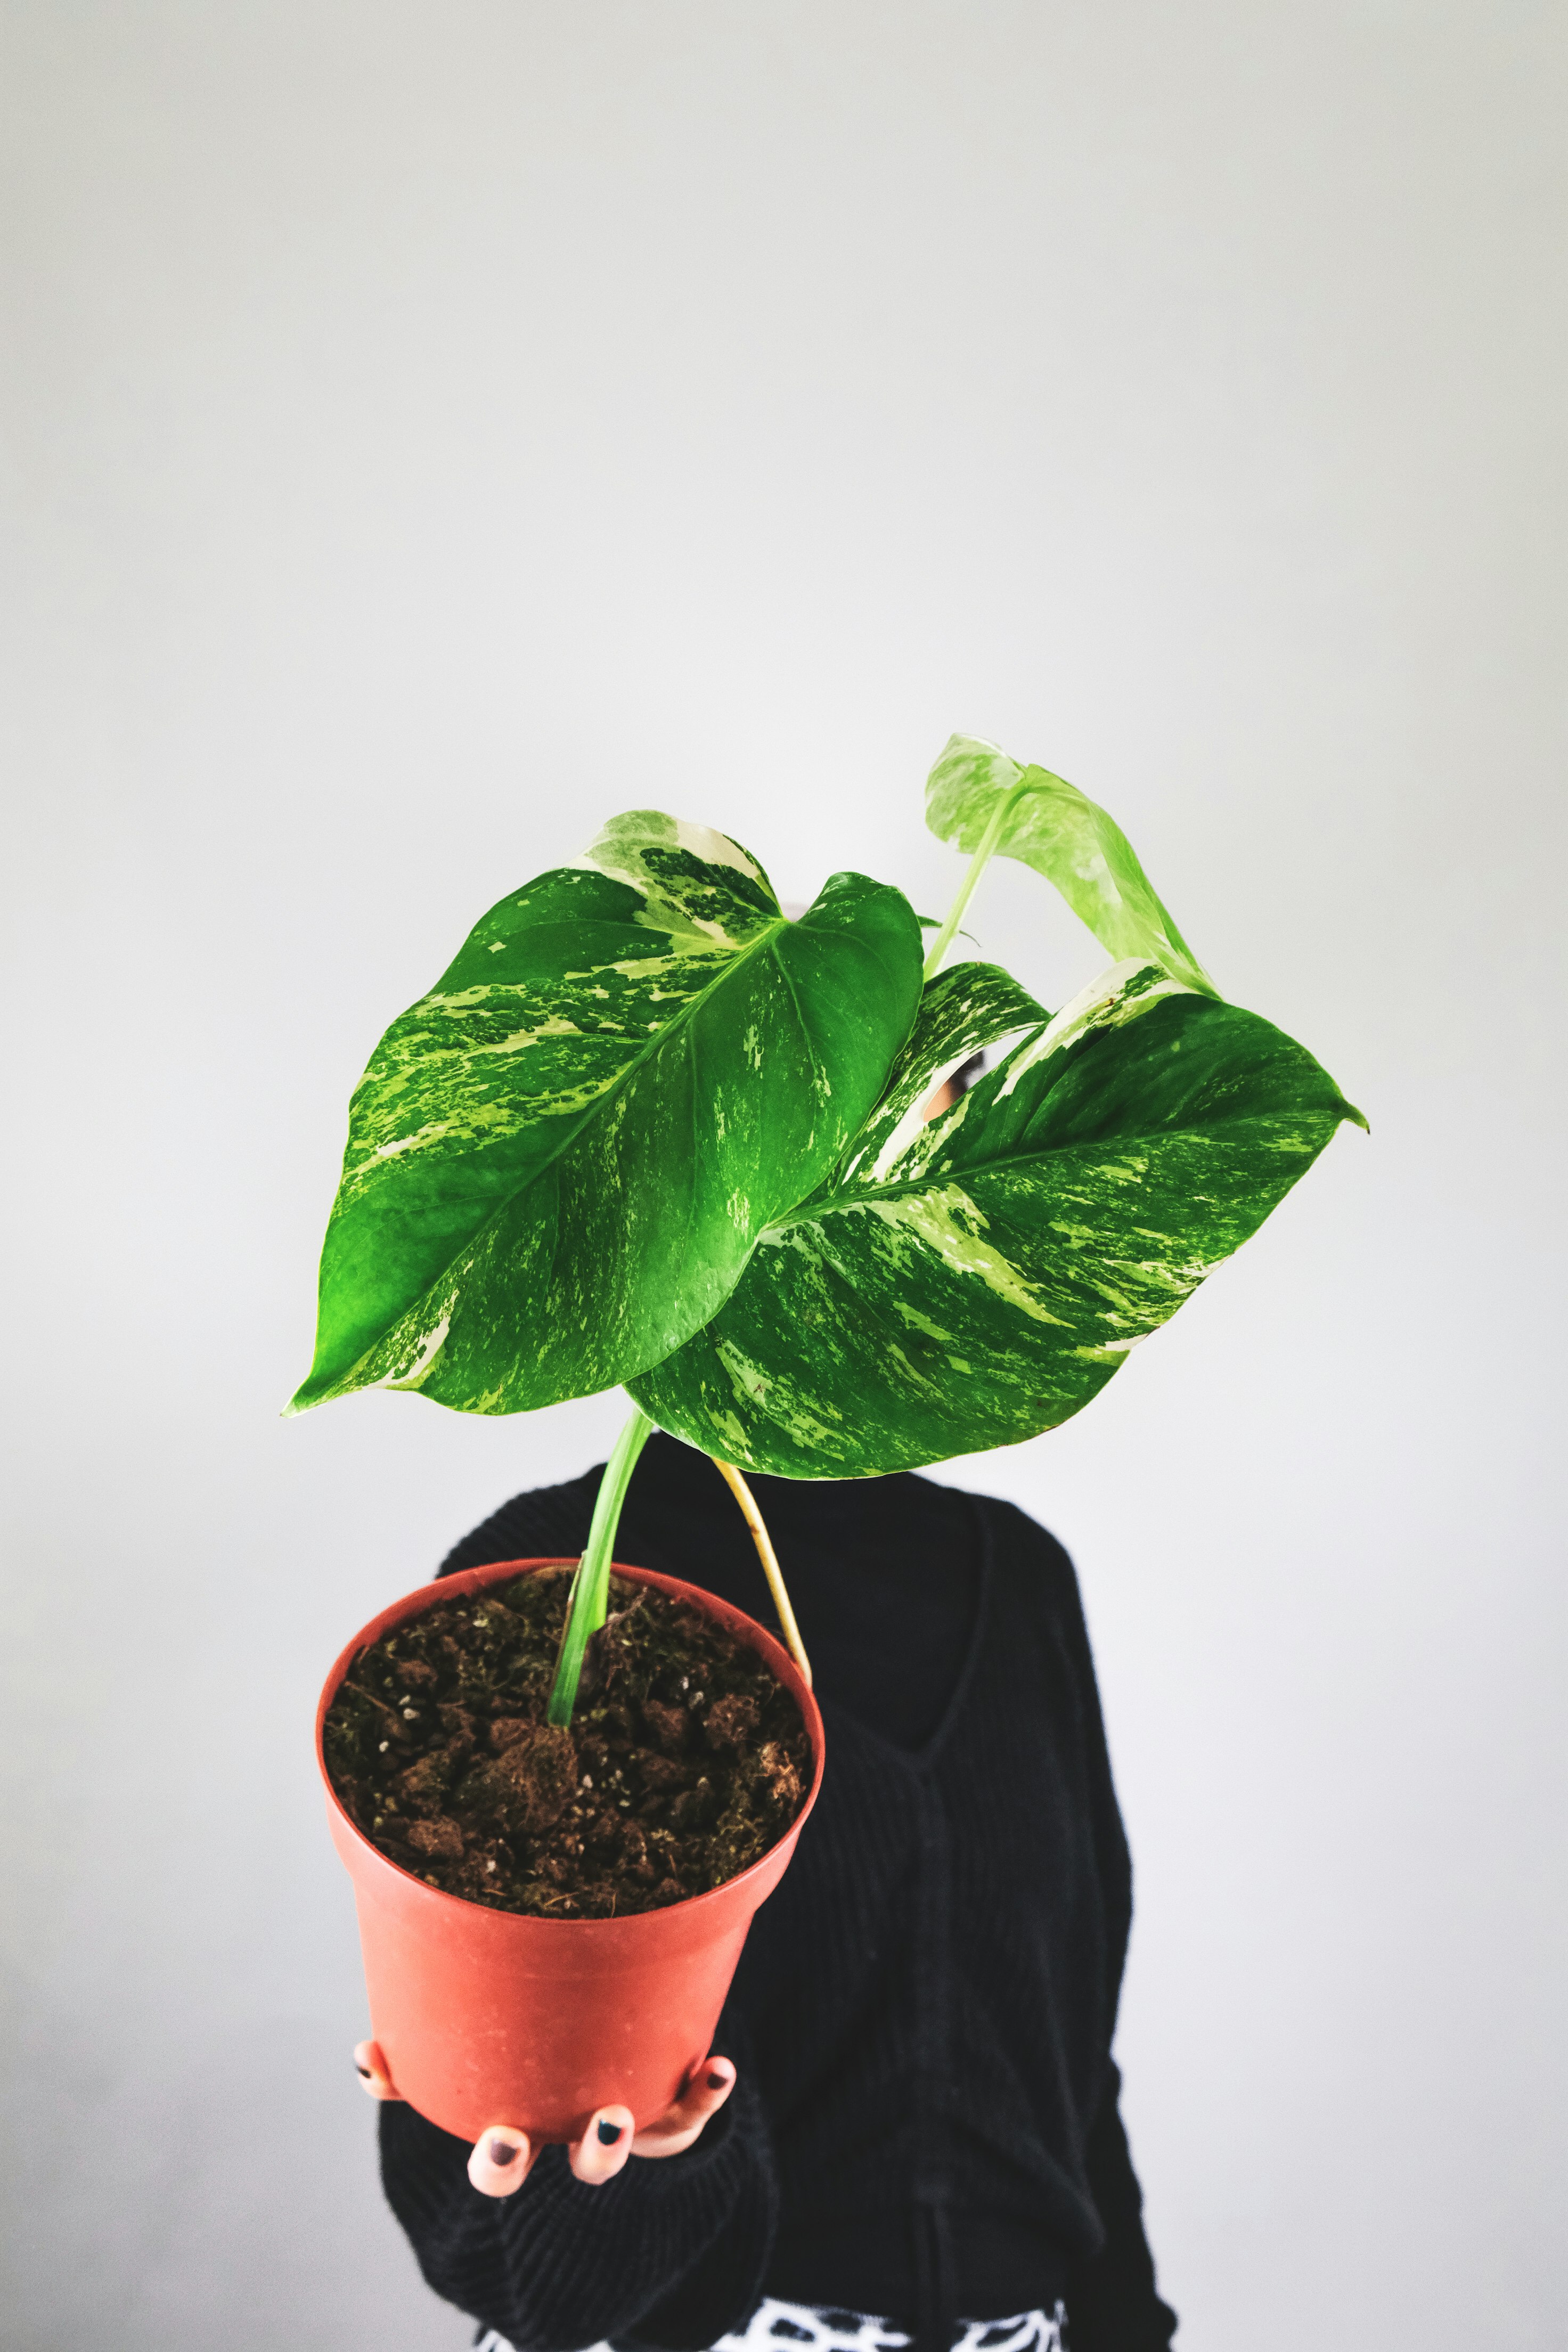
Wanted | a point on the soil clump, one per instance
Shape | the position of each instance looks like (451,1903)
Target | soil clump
(685,1761)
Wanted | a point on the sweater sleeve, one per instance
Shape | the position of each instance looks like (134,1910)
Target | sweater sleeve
(1113,2300)
(671,2253)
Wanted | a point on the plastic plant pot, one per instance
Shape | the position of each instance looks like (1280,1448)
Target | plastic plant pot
(492,2016)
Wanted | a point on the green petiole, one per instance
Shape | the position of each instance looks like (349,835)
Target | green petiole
(586,1608)
(977,864)
(589,1602)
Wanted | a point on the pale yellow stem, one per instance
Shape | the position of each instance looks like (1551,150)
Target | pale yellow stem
(770,1559)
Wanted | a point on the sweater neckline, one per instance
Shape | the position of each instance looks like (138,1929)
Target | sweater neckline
(921,1759)
(686,1476)
(683,1479)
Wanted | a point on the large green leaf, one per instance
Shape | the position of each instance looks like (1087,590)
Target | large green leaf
(971,1282)
(1051,826)
(560,1160)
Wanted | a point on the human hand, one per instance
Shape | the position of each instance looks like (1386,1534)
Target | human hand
(502,2157)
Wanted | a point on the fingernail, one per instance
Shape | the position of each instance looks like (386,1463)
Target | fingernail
(503,2152)
(363,2072)
(715,2081)
(609,2134)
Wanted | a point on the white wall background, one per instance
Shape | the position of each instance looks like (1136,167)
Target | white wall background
(433,428)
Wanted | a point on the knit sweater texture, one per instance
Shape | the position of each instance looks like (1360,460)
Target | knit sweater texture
(925,2125)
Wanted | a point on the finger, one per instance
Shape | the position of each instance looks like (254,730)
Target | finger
(371,2068)
(604,2147)
(500,2160)
(708,2087)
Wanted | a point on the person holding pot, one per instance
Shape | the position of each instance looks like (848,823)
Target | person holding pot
(907,2129)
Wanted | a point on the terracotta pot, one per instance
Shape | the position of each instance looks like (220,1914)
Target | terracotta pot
(490,2017)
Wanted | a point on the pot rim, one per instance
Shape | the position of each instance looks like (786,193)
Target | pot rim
(471,1580)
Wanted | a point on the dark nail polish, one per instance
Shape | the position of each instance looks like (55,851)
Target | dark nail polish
(715,2081)
(609,2134)
(503,2152)
(363,2072)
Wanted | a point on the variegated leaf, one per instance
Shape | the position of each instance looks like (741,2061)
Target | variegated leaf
(968,1283)
(1049,825)
(560,1160)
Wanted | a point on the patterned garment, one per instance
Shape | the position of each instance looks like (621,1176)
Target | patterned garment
(775,2325)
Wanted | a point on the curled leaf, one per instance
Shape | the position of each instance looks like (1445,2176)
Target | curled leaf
(1049,825)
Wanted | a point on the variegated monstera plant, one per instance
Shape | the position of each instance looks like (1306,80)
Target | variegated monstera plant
(647,1130)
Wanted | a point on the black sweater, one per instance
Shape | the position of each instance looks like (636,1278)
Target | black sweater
(925,2125)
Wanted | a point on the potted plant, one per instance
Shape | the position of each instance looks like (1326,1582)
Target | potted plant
(646,1130)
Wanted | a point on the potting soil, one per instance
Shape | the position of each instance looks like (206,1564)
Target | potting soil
(685,1761)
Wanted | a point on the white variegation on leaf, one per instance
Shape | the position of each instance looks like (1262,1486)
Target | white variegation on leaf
(633,849)
(560,1159)
(969,1282)
(981,801)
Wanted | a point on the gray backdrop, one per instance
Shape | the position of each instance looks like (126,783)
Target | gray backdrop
(434,428)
